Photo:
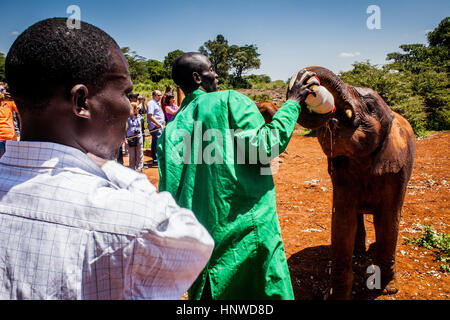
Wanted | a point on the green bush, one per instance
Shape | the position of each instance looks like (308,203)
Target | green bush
(415,83)
(433,87)
(259,97)
(146,87)
(431,240)
(423,99)
(2,67)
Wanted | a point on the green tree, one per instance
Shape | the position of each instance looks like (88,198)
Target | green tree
(218,53)
(137,65)
(225,57)
(258,78)
(419,58)
(243,59)
(2,67)
(415,83)
(429,67)
(415,58)
(433,87)
(155,70)
(169,60)
(396,89)
(440,37)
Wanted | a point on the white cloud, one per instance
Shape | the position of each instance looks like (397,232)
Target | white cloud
(349,54)
(15,33)
(428,31)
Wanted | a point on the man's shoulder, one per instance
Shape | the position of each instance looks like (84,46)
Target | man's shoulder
(225,96)
(8,104)
(152,103)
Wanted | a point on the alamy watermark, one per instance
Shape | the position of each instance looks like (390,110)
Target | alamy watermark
(226,146)
(74,20)
(374,20)
(374,281)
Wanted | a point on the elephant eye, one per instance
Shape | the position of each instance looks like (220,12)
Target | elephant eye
(369,107)
(370,103)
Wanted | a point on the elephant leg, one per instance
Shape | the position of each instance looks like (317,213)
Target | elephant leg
(343,232)
(360,241)
(386,229)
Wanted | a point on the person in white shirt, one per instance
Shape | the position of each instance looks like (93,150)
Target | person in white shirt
(74,224)
(155,121)
(134,140)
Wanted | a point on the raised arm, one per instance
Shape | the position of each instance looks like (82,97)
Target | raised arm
(268,140)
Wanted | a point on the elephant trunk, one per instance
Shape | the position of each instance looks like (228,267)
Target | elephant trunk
(341,93)
(311,120)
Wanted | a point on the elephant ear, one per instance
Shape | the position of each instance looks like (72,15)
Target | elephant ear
(395,151)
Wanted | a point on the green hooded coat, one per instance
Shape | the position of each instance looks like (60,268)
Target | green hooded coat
(214,158)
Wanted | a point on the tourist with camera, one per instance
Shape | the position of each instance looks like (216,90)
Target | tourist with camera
(134,139)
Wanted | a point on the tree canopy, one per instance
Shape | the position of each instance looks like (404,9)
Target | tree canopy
(231,58)
(2,66)
(169,60)
(415,82)
(419,58)
(150,74)
(218,52)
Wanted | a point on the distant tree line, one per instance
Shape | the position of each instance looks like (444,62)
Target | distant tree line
(2,67)
(415,82)
(229,61)
(232,61)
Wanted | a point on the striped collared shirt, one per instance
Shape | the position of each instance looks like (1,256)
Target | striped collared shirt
(70,230)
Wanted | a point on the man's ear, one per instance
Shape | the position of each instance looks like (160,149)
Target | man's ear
(197,78)
(79,95)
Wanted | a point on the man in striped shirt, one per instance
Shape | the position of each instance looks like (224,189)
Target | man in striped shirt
(74,224)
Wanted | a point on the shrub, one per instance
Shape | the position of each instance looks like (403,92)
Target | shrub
(259,97)
(432,240)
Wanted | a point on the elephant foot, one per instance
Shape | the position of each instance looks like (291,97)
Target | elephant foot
(340,287)
(390,288)
(338,294)
(387,282)
(388,279)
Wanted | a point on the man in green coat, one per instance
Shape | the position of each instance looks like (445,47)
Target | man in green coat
(214,158)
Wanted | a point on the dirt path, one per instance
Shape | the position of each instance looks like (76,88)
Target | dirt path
(304,205)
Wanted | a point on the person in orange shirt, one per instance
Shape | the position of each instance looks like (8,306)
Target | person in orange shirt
(7,130)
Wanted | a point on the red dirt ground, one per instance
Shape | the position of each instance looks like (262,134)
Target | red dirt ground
(304,198)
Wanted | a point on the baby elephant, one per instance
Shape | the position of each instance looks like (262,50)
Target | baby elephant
(370,152)
(268,110)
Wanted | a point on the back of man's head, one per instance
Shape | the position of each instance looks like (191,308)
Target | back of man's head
(184,66)
(50,56)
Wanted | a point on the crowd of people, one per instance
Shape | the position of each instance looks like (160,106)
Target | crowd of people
(158,111)
(75,224)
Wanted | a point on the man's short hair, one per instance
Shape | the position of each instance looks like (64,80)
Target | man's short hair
(49,55)
(184,66)
(133,96)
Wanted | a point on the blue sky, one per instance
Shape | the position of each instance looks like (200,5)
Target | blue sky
(289,34)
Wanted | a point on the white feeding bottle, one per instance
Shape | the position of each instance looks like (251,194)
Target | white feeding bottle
(323,102)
